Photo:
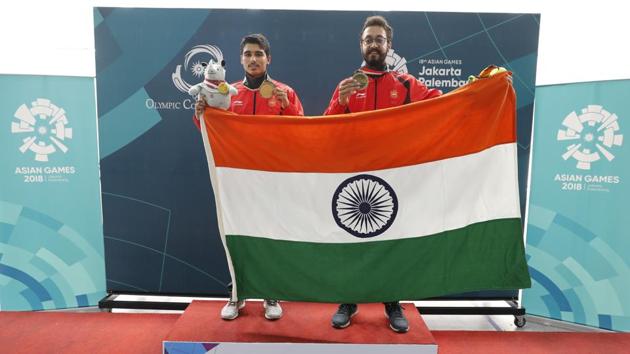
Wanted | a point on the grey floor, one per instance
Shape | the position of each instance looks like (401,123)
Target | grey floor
(434,322)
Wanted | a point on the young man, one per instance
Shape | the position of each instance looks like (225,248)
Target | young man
(384,89)
(255,57)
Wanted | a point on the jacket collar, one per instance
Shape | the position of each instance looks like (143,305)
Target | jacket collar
(254,83)
(374,73)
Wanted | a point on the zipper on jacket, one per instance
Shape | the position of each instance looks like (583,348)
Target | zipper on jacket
(255,94)
(375,91)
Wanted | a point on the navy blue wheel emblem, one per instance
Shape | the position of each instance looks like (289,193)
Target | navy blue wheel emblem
(364,205)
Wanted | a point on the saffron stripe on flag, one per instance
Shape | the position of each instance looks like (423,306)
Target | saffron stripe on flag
(447,126)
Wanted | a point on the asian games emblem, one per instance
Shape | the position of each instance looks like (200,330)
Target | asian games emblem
(44,127)
(590,135)
(364,206)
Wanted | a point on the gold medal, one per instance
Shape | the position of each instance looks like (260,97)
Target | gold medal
(361,78)
(266,89)
(223,88)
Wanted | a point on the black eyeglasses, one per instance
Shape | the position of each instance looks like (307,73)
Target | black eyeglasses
(380,41)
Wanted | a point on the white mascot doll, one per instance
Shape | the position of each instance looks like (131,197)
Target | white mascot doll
(215,91)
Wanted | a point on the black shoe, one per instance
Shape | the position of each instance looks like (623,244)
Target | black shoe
(341,319)
(397,320)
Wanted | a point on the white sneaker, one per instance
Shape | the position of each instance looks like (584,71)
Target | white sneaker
(273,311)
(230,310)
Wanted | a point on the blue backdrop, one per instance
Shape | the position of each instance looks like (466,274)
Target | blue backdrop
(159,219)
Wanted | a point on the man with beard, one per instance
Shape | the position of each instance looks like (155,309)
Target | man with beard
(384,89)
(279,100)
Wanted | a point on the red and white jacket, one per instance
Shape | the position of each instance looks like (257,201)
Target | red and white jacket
(249,101)
(385,89)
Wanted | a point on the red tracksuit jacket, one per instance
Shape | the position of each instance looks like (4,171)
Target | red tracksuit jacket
(385,89)
(249,101)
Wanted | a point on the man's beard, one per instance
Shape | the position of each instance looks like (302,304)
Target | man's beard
(375,62)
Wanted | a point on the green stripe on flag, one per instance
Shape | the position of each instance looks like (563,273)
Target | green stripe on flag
(483,256)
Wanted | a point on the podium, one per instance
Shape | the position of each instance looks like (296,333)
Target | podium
(304,328)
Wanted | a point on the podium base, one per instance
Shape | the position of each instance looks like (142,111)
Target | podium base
(304,328)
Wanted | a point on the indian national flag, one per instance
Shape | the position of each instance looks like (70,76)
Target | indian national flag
(405,203)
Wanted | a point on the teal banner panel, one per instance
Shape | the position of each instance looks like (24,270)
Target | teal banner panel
(578,230)
(51,233)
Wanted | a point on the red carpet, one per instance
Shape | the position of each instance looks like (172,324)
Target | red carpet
(69,333)
(301,323)
(477,342)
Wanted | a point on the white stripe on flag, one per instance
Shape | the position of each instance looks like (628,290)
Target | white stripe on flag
(432,197)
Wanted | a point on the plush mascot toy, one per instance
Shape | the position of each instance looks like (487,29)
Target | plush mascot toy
(214,90)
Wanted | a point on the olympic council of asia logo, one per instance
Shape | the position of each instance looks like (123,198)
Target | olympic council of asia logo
(364,205)
(44,127)
(591,135)
(193,63)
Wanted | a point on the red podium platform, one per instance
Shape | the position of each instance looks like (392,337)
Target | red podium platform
(304,328)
